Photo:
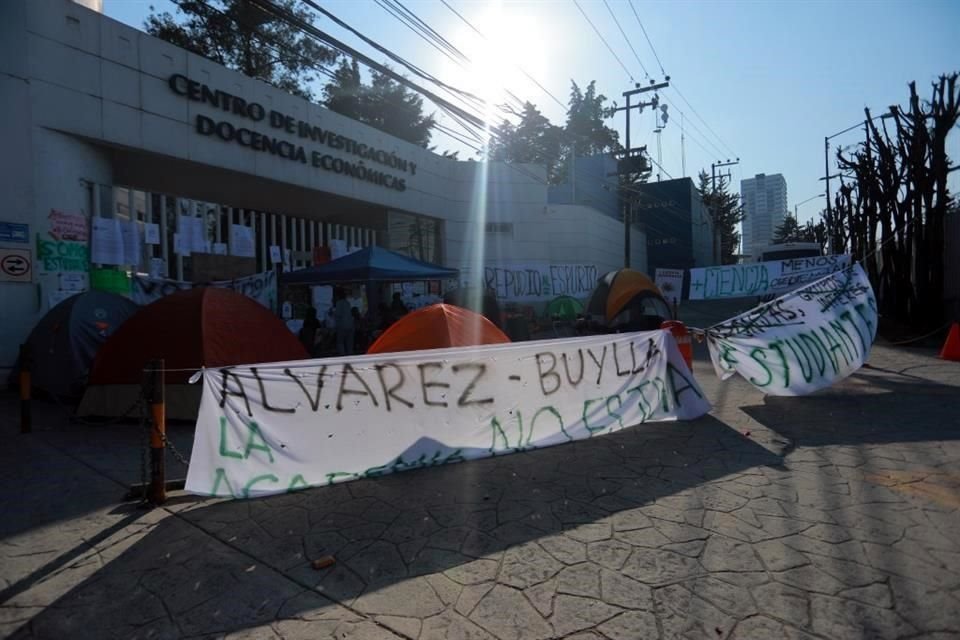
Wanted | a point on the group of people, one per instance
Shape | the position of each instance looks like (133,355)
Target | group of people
(352,332)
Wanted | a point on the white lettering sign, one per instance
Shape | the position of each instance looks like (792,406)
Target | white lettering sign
(803,341)
(761,278)
(535,282)
(280,427)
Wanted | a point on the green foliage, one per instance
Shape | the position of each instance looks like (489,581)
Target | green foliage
(533,140)
(241,36)
(726,212)
(791,231)
(585,132)
(384,103)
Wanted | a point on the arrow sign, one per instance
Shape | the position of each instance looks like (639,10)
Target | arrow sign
(15,265)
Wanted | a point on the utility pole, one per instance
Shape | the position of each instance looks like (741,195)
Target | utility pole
(826,173)
(717,165)
(717,239)
(633,158)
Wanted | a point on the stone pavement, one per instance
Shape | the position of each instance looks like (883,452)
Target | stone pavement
(830,516)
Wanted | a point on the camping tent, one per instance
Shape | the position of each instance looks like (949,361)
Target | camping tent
(64,342)
(437,327)
(372,264)
(201,327)
(627,300)
(564,308)
(471,298)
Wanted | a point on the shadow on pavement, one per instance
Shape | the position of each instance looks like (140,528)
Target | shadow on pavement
(398,540)
(879,410)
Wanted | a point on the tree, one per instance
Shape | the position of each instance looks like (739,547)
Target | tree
(726,213)
(533,140)
(384,103)
(240,35)
(790,231)
(585,132)
(891,215)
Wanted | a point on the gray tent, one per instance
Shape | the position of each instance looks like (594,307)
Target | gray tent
(64,342)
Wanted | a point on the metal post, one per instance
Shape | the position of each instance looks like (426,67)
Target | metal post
(826,175)
(26,386)
(627,96)
(157,491)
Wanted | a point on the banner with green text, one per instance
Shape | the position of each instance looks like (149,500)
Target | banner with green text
(803,341)
(280,427)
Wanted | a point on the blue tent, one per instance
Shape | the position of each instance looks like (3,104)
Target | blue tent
(372,264)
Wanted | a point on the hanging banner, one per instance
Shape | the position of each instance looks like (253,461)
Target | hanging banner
(285,426)
(761,278)
(539,281)
(801,342)
(262,287)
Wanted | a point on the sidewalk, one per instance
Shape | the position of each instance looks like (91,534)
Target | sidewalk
(830,516)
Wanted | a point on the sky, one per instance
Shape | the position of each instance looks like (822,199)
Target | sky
(764,82)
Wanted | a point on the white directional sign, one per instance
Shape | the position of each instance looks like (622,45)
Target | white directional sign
(16,265)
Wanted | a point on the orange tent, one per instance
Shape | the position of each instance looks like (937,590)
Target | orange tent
(200,327)
(437,327)
(628,299)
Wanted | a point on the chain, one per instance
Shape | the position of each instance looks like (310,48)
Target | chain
(176,453)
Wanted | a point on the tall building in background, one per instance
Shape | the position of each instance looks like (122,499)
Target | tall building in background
(764,200)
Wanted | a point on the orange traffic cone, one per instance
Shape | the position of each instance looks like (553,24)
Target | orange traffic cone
(951,348)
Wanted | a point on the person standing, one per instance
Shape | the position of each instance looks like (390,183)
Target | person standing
(343,317)
(308,334)
(397,308)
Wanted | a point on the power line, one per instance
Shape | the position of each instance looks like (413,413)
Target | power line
(706,138)
(430,30)
(709,128)
(637,16)
(387,52)
(623,33)
(522,70)
(285,48)
(674,85)
(604,40)
(269,7)
(432,37)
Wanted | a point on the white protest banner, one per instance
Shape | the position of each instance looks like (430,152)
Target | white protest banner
(262,287)
(540,281)
(285,426)
(670,283)
(803,341)
(761,278)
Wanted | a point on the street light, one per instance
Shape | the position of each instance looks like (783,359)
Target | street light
(795,206)
(826,150)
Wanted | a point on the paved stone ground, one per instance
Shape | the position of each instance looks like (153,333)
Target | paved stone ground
(831,516)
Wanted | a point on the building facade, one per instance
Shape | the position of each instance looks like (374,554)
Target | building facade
(679,229)
(764,199)
(127,155)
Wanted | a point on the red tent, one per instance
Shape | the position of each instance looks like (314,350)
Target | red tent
(436,327)
(204,326)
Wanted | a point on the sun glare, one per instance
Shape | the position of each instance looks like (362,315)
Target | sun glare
(513,40)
